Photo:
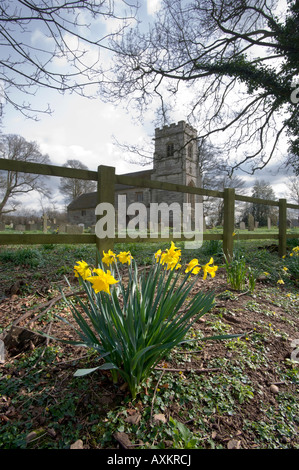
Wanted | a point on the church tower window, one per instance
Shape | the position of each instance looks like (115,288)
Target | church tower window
(170,149)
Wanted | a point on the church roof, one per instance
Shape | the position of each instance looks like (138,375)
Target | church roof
(84,201)
(89,200)
(146,174)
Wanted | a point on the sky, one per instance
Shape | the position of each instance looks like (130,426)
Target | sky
(84,129)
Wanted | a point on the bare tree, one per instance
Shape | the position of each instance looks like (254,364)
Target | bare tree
(293,195)
(15,183)
(214,207)
(55,44)
(73,187)
(293,189)
(240,61)
(262,190)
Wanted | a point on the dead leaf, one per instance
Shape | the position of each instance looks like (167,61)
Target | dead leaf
(234,444)
(77,445)
(123,387)
(123,439)
(133,418)
(51,432)
(160,417)
(4,418)
(139,405)
(31,436)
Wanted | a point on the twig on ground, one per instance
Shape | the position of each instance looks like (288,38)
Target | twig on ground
(156,388)
(188,352)
(46,306)
(170,369)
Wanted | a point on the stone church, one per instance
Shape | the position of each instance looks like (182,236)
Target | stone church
(175,160)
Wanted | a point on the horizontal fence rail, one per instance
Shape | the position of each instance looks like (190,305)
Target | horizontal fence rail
(48,170)
(106,179)
(53,170)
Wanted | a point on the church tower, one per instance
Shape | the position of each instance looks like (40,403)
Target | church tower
(176,161)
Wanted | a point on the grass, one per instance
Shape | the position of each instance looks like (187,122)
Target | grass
(43,406)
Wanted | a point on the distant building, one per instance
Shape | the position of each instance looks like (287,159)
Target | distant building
(175,160)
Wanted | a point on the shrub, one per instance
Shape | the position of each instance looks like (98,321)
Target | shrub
(239,275)
(236,272)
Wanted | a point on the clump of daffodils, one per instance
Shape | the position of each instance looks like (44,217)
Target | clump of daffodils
(133,324)
(296,250)
(293,264)
(170,259)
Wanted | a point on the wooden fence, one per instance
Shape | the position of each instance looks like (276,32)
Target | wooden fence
(106,179)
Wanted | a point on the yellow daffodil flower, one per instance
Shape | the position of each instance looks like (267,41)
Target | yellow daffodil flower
(170,257)
(173,252)
(173,264)
(82,270)
(207,268)
(125,257)
(102,281)
(170,260)
(280,281)
(108,258)
(158,255)
(193,267)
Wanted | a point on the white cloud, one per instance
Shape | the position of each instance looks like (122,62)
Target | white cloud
(153,6)
(79,129)
(82,129)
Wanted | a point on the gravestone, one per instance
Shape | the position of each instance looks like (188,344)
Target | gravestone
(250,223)
(2,226)
(20,228)
(242,226)
(256,224)
(73,229)
(61,228)
(269,223)
(31,226)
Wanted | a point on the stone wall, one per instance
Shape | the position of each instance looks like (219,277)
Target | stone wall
(86,216)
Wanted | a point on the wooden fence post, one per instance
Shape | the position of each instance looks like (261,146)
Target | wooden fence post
(282,230)
(228,222)
(106,192)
